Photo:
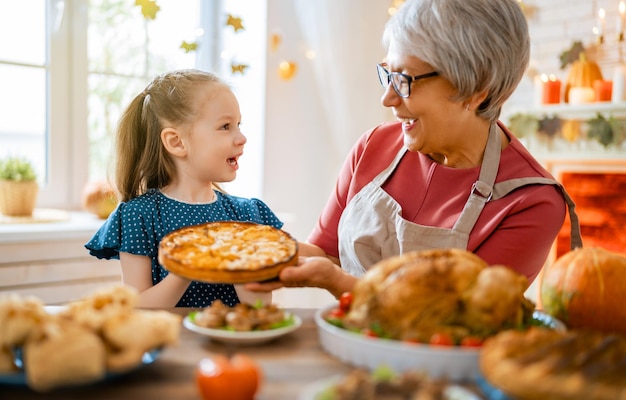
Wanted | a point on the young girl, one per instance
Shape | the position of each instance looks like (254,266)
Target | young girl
(175,140)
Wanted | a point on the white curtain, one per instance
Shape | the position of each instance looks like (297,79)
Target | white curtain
(346,38)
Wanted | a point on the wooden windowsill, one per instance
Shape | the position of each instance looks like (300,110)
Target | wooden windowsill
(49,225)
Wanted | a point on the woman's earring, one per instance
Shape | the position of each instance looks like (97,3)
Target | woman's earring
(467,107)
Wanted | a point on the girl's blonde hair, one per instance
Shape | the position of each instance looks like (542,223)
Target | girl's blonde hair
(142,161)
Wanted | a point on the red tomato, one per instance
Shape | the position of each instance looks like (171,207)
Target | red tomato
(369,332)
(336,313)
(345,301)
(441,339)
(220,378)
(471,341)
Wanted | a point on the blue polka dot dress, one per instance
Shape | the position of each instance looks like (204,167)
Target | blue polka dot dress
(137,227)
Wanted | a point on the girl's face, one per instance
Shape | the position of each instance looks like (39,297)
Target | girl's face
(428,115)
(214,140)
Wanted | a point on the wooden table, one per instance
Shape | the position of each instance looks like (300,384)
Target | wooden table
(289,363)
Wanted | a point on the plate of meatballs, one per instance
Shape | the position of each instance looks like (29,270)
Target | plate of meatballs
(243,324)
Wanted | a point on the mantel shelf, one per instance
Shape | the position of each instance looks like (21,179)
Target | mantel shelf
(581,111)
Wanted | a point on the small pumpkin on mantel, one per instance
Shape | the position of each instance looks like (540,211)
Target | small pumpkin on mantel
(582,73)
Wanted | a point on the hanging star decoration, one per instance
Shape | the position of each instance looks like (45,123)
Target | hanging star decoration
(235,22)
(275,40)
(149,8)
(189,47)
(238,68)
(287,70)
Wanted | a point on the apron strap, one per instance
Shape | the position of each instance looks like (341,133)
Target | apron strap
(501,189)
(482,189)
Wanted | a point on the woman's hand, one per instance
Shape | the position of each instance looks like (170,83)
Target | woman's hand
(318,272)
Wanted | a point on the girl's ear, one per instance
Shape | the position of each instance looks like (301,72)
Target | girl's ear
(172,142)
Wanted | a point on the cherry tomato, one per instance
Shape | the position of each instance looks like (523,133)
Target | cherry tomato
(369,332)
(345,301)
(336,313)
(220,378)
(441,339)
(471,341)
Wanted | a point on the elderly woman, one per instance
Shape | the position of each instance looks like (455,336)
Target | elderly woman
(447,173)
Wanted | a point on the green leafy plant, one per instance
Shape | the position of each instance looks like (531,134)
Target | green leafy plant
(17,169)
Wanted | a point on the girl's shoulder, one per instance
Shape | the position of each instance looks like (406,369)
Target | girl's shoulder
(142,203)
(248,209)
(241,203)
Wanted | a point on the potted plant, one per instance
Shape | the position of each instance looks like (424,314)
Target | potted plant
(18,187)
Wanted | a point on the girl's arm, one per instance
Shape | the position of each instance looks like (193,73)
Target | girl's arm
(137,272)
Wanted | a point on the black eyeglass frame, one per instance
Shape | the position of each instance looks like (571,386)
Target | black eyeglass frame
(380,68)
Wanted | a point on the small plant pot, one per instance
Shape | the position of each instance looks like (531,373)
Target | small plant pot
(18,199)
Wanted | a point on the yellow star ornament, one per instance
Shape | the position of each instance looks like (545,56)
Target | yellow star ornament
(189,47)
(235,22)
(240,68)
(149,8)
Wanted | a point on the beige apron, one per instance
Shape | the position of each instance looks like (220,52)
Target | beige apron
(371,227)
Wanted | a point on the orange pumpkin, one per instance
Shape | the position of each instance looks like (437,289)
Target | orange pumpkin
(99,198)
(582,73)
(586,288)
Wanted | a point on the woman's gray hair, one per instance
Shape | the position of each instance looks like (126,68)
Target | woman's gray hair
(476,45)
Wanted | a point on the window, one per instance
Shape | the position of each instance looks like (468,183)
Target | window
(69,67)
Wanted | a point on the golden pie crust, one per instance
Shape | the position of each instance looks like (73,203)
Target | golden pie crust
(542,363)
(228,252)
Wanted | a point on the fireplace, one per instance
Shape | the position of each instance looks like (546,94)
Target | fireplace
(599,190)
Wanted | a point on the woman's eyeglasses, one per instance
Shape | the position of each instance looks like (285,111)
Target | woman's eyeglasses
(401,82)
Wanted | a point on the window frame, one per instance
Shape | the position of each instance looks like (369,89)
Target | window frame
(67,64)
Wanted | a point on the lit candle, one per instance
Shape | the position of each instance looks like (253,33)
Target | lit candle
(621,21)
(538,89)
(551,89)
(619,84)
(581,95)
(601,17)
(603,90)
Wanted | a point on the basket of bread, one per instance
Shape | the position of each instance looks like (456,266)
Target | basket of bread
(85,341)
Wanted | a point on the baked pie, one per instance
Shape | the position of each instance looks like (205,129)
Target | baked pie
(228,252)
(542,363)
